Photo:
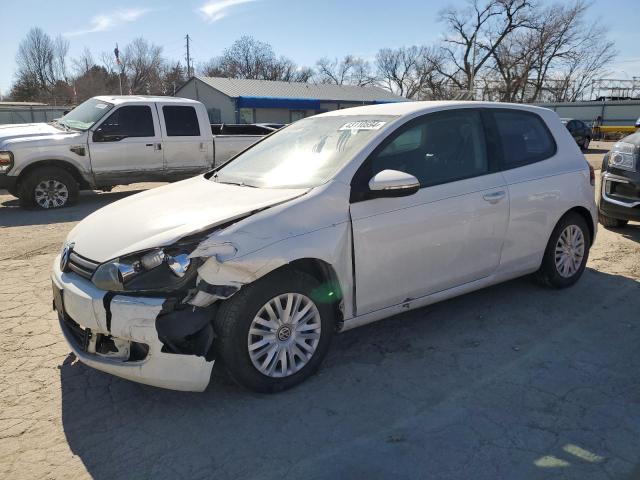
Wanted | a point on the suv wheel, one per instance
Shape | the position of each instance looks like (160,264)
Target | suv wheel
(567,252)
(585,144)
(273,334)
(611,222)
(48,187)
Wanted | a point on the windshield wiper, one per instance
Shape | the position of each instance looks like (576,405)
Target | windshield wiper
(241,184)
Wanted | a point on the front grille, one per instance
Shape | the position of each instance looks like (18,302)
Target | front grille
(76,332)
(82,266)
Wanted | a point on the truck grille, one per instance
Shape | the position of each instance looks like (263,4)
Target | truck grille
(82,266)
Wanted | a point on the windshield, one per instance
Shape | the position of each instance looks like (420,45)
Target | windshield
(304,154)
(86,114)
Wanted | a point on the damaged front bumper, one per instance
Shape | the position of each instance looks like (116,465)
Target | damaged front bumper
(119,334)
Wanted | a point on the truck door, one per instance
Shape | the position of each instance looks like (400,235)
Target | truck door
(186,152)
(127,146)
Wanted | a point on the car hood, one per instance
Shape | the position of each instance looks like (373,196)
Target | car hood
(34,132)
(163,215)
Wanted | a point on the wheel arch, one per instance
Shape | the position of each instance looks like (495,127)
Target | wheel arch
(62,164)
(330,290)
(586,215)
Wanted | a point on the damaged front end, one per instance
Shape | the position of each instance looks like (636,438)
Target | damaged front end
(146,316)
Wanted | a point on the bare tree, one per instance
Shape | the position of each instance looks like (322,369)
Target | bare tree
(350,70)
(411,72)
(142,63)
(251,58)
(569,52)
(476,32)
(35,60)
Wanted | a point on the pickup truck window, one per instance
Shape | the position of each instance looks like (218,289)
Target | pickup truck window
(129,121)
(86,114)
(181,121)
(305,154)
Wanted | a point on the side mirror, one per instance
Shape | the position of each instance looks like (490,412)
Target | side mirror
(393,183)
(100,135)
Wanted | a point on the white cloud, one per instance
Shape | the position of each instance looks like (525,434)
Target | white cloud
(108,21)
(215,10)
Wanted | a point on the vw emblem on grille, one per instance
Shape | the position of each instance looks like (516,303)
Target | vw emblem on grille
(64,257)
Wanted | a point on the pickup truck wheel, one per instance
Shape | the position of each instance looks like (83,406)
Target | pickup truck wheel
(566,255)
(611,222)
(48,187)
(272,334)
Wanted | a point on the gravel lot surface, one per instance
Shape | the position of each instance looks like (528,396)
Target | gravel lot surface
(515,381)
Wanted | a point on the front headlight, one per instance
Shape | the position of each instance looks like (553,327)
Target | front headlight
(151,270)
(623,156)
(6,161)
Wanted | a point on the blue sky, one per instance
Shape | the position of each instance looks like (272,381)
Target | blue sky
(300,29)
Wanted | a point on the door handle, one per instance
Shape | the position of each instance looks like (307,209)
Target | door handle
(494,197)
(149,145)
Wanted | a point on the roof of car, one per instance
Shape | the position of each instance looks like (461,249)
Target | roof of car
(407,108)
(118,99)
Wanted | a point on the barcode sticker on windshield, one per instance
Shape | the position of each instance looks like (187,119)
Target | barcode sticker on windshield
(101,105)
(363,125)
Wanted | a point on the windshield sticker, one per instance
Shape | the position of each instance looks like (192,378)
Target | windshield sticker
(101,105)
(363,125)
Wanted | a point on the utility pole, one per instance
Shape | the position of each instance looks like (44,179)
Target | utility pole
(188,58)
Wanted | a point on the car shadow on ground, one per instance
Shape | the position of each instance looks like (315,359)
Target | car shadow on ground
(631,231)
(12,215)
(491,384)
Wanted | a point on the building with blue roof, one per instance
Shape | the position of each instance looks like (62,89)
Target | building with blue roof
(233,100)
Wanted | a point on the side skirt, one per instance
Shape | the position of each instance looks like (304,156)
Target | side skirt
(420,302)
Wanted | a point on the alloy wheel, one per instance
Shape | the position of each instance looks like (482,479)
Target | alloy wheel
(51,194)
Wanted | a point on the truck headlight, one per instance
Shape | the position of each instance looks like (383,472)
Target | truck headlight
(6,161)
(151,270)
(623,156)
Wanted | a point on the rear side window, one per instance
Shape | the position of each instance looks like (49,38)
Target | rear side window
(181,121)
(524,137)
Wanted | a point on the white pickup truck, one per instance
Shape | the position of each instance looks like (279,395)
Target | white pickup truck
(114,140)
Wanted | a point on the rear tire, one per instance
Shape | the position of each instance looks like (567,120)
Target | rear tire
(565,257)
(610,222)
(239,336)
(48,187)
(585,144)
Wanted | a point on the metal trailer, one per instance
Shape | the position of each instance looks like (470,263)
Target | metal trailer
(609,117)
(18,112)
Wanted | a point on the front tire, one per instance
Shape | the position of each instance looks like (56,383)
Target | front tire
(274,333)
(48,187)
(567,251)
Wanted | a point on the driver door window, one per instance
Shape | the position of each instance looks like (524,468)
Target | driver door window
(126,122)
(440,148)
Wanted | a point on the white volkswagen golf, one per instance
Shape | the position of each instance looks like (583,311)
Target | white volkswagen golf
(333,222)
